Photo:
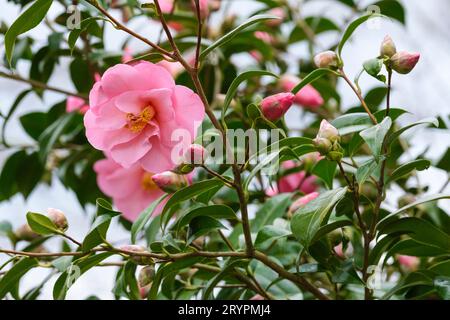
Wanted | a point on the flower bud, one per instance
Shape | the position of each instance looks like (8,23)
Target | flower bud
(387,47)
(327,131)
(25,233)
(275,106)
(335,156)
(169,181)
(409,262)
(146,276)
(310,160)
(58,218)
(141,260)
(322,145)
(196,154)
(301,202)
(403,62)
(326,59)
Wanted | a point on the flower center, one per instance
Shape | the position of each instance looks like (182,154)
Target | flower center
(147,182)
(136,123)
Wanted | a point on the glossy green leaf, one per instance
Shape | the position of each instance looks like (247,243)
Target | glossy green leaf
(352,27)
(239,80)
(217,211)
(226,271)
(188,193)
(375,136)
(428,121)
(407,168)
(425,199)
(269,234)
(311,77)
(29,19)
(144,217)
(41,224)
(274,207)
(325,170)
(12,277)
(307,220)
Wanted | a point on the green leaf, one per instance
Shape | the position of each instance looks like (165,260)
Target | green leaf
(78,268)
(411,280)
(307,220)
(415,248)
(202,225)
(357,121)
(144,217)
(426,199)
(419,230)
(188,193)
(311,77)
(269,234)
(380,248)
(217,211)
(97,233)
(405,169)
(34,123)
(29,19)
(374,136)
(168,269)
(393,9)
(11,169)
(237,81)
(366,170)
(324,230)
(428,121)
(442,268)
(325,170)
(274,207)
(373,68)
(230,35)
(352,27)
(12,277)
(11,111)
(444,163)
(41,224)
(51,135)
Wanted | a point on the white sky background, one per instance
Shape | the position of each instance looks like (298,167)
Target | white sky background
(425,92)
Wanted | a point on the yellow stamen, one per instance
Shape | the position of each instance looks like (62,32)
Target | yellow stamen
(137,123)
(147,182)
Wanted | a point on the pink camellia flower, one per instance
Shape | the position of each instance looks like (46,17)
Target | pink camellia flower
(301,202)
(76,104)
(175,68)
(307,96)
(131,189)
(403,62)
(275,106)
(296,181)
(135,110)
(277,12)
(166,5)
(409,262)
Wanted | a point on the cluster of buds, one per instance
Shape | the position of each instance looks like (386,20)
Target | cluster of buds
(129,249)
(274,107)
(402,62)
(327,141)
(327,59)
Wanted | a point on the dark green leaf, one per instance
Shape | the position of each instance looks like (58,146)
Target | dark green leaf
(41,224)
(374,136)
(407,168)
(313,76)
(144,217)
(325,170)
(12,277)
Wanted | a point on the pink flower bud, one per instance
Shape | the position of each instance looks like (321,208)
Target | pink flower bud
(403,62)
(277,12)
(309,97)
(25,233)
(275,106)
(133,248)
(301,202)
(326,59)
(388,47)
(264,36)
(256,55)
(169,181)
(327,131)
(322,145)
(58,218)
(76,104)
(409,262)
(195,154)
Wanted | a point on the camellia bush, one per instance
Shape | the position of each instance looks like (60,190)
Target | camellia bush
(192,154)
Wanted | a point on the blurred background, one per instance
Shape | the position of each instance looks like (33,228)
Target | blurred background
(425,92)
